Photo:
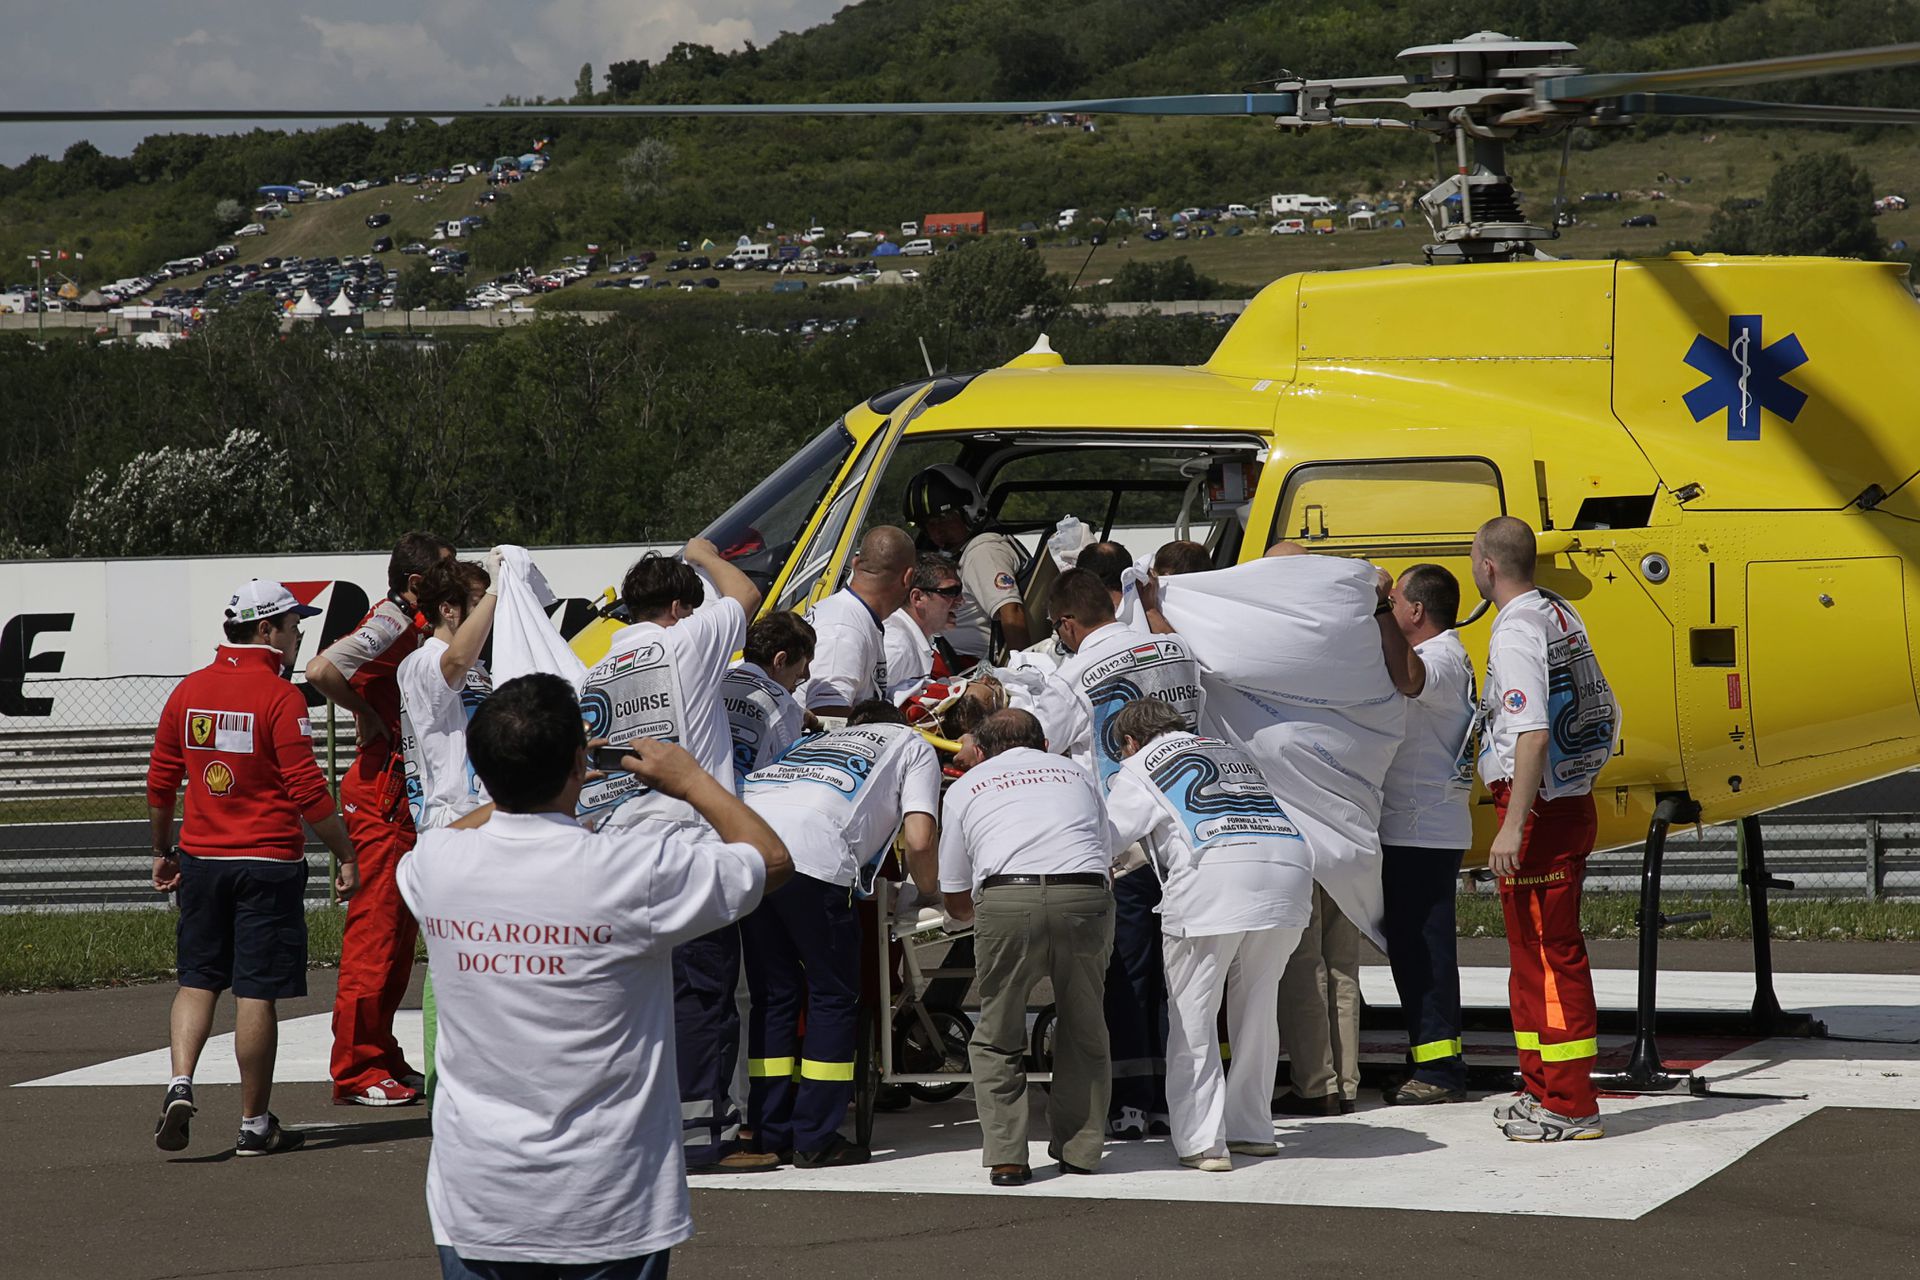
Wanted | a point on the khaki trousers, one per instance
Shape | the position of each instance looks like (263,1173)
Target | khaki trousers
(1022,934)
(1320,1005)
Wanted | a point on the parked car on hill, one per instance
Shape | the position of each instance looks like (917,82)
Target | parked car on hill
(383,245)
(378,219)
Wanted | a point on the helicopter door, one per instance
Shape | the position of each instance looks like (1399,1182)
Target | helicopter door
(821,565)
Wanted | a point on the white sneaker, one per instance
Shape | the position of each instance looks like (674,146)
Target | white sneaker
(1520,1106)
(1254,1148)
(1550,1126)
(1209,1164)
(1129,1126)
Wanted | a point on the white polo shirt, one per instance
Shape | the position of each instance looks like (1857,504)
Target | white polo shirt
(1228,856)
(441,782)
(1424,801)
(837,798)
(849,654)
(762,717)
(1542,674)
(909,656)
(1023,812)
(556,1128)
(664,683)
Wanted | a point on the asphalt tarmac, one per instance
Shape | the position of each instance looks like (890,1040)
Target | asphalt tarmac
(86,1194)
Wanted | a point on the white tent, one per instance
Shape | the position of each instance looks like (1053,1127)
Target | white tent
(844,282)
(304,306)
(341,305)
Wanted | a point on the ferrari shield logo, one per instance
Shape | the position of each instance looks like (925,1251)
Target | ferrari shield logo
(200,730)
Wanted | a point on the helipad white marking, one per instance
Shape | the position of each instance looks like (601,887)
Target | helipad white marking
(1449,1159)
(305,1045)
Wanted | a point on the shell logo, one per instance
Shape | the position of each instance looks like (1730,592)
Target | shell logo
(219,778)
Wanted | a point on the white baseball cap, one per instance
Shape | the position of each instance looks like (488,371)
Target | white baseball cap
(262,598)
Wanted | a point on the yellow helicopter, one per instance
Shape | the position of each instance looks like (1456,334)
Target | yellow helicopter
(1714,450)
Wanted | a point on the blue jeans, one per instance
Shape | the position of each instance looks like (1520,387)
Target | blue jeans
(652,1266)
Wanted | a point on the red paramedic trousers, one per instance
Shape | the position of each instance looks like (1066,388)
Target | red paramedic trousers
(376,951)
(1555,1025)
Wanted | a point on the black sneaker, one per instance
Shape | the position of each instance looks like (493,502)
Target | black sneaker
(176,1109)
(272,1142)
(836,1153)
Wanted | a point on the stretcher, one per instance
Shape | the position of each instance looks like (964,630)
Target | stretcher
(915,1033)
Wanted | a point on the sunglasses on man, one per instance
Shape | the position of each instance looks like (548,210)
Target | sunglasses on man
(951,591)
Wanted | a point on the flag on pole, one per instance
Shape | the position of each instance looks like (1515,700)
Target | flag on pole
(63,255)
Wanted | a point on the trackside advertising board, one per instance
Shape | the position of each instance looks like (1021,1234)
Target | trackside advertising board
(64,620)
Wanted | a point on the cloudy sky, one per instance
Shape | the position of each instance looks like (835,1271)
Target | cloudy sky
(377,53)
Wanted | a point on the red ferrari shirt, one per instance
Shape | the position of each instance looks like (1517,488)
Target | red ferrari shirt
(369,655)
(239,735)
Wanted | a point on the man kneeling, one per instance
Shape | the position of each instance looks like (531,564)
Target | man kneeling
(1238,891)
(556,1129)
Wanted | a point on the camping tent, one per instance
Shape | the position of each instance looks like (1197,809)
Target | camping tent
(305,307)
(886,249)
(94,301)
(341,305)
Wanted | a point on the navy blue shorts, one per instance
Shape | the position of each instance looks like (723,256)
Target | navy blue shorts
(243,924)
(651,1266)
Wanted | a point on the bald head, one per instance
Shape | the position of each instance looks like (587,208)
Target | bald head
(1508,542)
(1504,553)
(887,549)
(1005,730)
(883,568)
(1285,548)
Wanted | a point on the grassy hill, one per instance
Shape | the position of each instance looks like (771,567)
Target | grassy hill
(719,178)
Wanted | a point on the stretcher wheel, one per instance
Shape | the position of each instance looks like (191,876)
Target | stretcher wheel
(955,1029)
(1041,1056)
(866,1078)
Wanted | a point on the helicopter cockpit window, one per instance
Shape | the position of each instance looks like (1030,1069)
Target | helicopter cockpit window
(1443,498)
(758,532)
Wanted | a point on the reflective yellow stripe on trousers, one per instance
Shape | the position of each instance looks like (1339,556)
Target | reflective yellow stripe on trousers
(766,1067)
(833,1071)
(1571,1051)
(1434,1050)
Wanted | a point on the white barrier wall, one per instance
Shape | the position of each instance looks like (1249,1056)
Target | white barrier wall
(68,619)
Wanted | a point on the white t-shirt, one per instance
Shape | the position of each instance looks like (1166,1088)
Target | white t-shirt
(849,654)
(909,656)
(837,798)
(990,573)
(441,783)
(762,717)
(1542,674)
(663,682)
(556,1127)
(1230,859)
(1114,665)
(1424,801)
(1023,812)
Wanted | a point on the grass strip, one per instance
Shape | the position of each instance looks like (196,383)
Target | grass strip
(66,950)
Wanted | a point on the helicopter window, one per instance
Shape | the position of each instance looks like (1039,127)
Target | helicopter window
(758,532)
(1436,497)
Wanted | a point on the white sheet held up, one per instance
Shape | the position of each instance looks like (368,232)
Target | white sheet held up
(524,637)
(1289,653)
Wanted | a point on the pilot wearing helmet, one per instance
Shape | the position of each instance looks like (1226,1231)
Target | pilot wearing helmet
(947,505)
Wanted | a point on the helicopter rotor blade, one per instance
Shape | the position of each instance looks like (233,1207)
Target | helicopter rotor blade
(1584,88)
(1680,104)
(1191,104)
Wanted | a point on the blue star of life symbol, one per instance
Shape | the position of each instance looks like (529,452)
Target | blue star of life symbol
(1744,377)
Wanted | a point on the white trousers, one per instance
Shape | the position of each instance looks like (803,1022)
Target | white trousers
(1207,1106)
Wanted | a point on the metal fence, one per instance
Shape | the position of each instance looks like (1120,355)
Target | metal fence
(74,828)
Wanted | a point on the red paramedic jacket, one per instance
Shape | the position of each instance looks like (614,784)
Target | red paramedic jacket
(240,736)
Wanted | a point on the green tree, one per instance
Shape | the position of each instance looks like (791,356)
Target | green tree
(583,84)
(1819,205)
(1164,282)
(228,214)
(644,169)
(419,287)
